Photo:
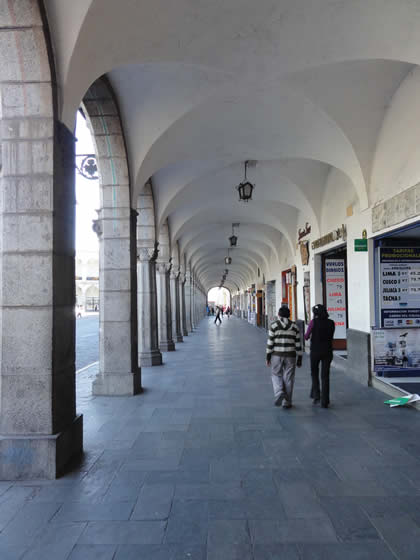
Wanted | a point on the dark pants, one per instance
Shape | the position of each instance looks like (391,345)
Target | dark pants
(218,319)
(324,394)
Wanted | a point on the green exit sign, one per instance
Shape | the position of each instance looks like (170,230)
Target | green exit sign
(360,245)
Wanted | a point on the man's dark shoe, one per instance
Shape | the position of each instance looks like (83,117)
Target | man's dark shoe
(316,401)
(279,401)
(287,405)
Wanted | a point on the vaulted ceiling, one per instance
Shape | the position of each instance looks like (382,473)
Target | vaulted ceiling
(303,87)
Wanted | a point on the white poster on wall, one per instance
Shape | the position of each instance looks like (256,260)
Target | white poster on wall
(335,289)
(396,348)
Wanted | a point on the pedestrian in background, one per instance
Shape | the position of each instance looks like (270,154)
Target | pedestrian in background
(284,354)
(321,332)
(217,316)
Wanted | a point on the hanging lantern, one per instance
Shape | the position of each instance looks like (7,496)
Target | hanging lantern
(233,240)
(245,188)
(228,260)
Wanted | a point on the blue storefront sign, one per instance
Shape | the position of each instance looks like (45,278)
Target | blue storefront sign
(399,287)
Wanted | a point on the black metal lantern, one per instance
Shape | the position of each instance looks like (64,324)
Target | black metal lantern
(228,260)
(233,240)
(245,188)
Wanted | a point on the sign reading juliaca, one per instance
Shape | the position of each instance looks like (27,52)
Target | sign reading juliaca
(399,289)
(336,294)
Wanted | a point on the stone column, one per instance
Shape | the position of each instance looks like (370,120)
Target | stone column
(149,353)
(193,322)
(184,328)
(176,316)
(39,428)
(119,373)
(187,292)
(166,342)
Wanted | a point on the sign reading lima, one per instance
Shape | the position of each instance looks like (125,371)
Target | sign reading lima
(87,277)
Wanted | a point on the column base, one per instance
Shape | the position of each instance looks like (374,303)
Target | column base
(179,338)
(185,333)
(168,346)
(30,457)
(147,359)
(117,384)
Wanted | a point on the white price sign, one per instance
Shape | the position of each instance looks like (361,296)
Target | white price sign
(335,278)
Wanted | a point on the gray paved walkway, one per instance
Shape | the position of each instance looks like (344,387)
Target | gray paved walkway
(203,466)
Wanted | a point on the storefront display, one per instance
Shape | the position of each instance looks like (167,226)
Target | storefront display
(399,286)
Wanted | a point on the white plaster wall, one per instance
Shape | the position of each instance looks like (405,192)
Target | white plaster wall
(397,159)
(338,195)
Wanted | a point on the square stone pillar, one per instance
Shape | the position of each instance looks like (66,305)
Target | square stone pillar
(187,299)
(39,428)
(166,343)
(184,329)
(119,374)
(176,318)
(149,353)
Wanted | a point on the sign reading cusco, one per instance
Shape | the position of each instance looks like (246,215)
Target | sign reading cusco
(335,278)
(399,289)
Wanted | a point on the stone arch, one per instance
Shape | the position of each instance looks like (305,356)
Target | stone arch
(119,373)
(40,431)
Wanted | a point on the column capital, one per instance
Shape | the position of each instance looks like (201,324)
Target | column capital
(162,267)
(174,273)
(146,254)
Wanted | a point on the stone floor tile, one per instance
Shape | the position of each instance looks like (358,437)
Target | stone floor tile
(11,552)
(345,551)
(219,550)
(276,552)
(350,521)
(188,522)
(123,532)
(160,552)
(299,500)
(12,501)
(178,477)
(154,502)
(93,552)
(401,534)
(228,509)
(228,531)
(74,511)
(28,523)
(292,531)
(213,491)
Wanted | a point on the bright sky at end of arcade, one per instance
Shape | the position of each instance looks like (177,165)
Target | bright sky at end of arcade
(87,193)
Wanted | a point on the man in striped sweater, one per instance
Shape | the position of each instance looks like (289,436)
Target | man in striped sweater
(284,353)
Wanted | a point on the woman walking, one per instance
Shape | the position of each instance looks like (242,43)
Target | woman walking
(321,332)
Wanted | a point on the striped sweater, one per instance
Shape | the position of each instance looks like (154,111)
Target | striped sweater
(283,339)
